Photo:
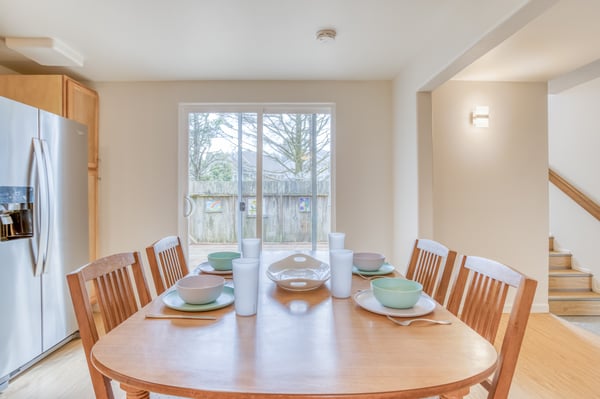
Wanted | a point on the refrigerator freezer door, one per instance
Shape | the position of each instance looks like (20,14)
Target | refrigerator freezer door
(64,143)
(20,307)
(20,298)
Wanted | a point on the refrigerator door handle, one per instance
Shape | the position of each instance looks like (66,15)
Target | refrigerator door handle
(51,197)
(42,201)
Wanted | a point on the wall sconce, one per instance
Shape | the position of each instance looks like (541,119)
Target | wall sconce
(480,117)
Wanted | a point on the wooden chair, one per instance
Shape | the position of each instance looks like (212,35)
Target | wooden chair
(478,298)
(167,262)
(432,264)
(117,298)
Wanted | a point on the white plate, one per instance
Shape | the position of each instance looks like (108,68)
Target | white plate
(172,300)
(386,268)
(208,269)
(299,272)
(366,300)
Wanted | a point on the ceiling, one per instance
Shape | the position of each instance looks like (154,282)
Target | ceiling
(562,39)
(148,40)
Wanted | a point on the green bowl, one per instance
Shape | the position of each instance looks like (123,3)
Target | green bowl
(396,293)
(222,260)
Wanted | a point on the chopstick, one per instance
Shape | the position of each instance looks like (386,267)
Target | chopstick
(173,316)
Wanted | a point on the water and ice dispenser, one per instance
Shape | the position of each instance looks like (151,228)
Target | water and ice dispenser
(16,212)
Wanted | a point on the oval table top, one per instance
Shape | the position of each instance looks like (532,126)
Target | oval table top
(299,344)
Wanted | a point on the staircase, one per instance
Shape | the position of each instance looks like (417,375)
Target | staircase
(569,290)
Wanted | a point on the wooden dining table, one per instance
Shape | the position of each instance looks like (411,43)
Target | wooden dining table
(300,344)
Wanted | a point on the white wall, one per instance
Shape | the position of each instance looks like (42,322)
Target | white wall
(490,185)
(406,171)
(414,196)
(574,141)
(138,198)
(413,193)
(384,200)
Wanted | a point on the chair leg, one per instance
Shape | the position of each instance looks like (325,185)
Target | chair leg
(101,384)
(135,393)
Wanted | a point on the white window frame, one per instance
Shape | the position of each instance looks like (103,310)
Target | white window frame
(260,108)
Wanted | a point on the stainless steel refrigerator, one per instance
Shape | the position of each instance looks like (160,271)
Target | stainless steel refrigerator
(43,231)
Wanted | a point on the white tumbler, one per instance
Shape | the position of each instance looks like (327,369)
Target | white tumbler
(245,285)
(251,247)
(340,261)
(336,240)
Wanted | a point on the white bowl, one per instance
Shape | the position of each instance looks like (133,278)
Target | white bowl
(299,272)
(200,289)
(368,261)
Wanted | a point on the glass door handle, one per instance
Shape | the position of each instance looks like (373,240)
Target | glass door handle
(242,206)
(190,208)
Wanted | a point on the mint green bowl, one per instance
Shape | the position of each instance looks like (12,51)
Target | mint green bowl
(222,260)
(396,293)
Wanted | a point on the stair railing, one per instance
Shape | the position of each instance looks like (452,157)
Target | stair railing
(580,198)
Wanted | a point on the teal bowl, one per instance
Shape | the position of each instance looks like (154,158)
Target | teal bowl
(396,293)
(222,260)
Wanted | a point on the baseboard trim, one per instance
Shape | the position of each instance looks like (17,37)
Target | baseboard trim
(535,308)
(540,308)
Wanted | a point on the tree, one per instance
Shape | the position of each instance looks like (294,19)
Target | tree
(287,142)
(203,163)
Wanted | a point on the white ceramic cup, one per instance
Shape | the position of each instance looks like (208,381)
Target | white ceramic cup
(251,247)
(245,285)
(336,240)
(340,261)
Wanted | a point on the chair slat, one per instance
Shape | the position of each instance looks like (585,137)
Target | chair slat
(171,266)
(425,266)
(478,298)
(167,262)
(118,295)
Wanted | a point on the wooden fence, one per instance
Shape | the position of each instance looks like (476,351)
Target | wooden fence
(287,211)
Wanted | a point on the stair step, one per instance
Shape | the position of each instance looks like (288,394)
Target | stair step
(560,260)
(585,303)
(569,280)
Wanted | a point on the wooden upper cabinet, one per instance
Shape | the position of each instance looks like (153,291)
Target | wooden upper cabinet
(82,106)
(60,95)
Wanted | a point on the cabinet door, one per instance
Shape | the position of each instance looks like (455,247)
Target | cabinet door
(92,211)
(40,91)
(82,106)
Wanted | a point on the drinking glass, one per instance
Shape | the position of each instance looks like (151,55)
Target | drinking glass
(336,240)
(340,261)
(245,285)
(251,247)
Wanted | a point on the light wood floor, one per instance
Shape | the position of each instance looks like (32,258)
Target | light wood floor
(558,360)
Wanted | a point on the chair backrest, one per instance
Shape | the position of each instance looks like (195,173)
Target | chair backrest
(167,262)
(432,264)
(118,298)
(478,298)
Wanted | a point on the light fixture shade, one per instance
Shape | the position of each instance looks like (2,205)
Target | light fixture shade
(45,51)
(480,117)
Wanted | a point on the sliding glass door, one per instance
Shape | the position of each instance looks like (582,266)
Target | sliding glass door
(296,178)
(261,171)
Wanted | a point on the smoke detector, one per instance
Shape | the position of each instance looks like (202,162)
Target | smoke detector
(326,35)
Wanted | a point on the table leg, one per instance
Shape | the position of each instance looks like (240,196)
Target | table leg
(456,394)
(135,393)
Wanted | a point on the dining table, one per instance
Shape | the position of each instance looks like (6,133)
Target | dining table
(299,344)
